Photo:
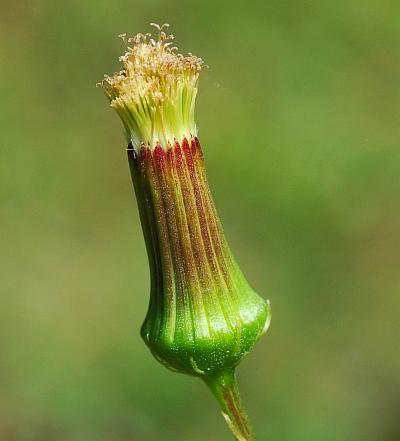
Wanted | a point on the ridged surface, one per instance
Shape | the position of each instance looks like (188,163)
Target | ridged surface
(203,315)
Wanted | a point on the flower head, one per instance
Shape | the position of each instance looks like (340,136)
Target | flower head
(155,92)
(203,315)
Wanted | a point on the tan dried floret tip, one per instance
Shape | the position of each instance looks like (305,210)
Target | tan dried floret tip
(155,92)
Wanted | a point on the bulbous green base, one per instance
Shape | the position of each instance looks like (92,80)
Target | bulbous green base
(203,316)
(222,349)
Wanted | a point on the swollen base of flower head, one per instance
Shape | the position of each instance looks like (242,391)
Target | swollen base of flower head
(203,316)
(155,93)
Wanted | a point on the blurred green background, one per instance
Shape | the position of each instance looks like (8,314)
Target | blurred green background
(299,119)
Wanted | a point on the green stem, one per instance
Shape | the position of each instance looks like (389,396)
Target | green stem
(225,389)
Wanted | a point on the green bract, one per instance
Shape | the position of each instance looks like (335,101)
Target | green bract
(203,316)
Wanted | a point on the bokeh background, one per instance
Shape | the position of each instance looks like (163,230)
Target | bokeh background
(299,119)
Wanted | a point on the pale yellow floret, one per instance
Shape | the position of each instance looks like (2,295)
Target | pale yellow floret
(155,92)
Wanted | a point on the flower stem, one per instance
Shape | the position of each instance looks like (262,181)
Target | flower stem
(225,389)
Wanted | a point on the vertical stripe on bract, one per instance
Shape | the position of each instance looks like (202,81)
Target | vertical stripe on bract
(219,287)
(166,312)
(146,210)
(184,307)
(205,274)
(193,287)
(200,316)
(237,284)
